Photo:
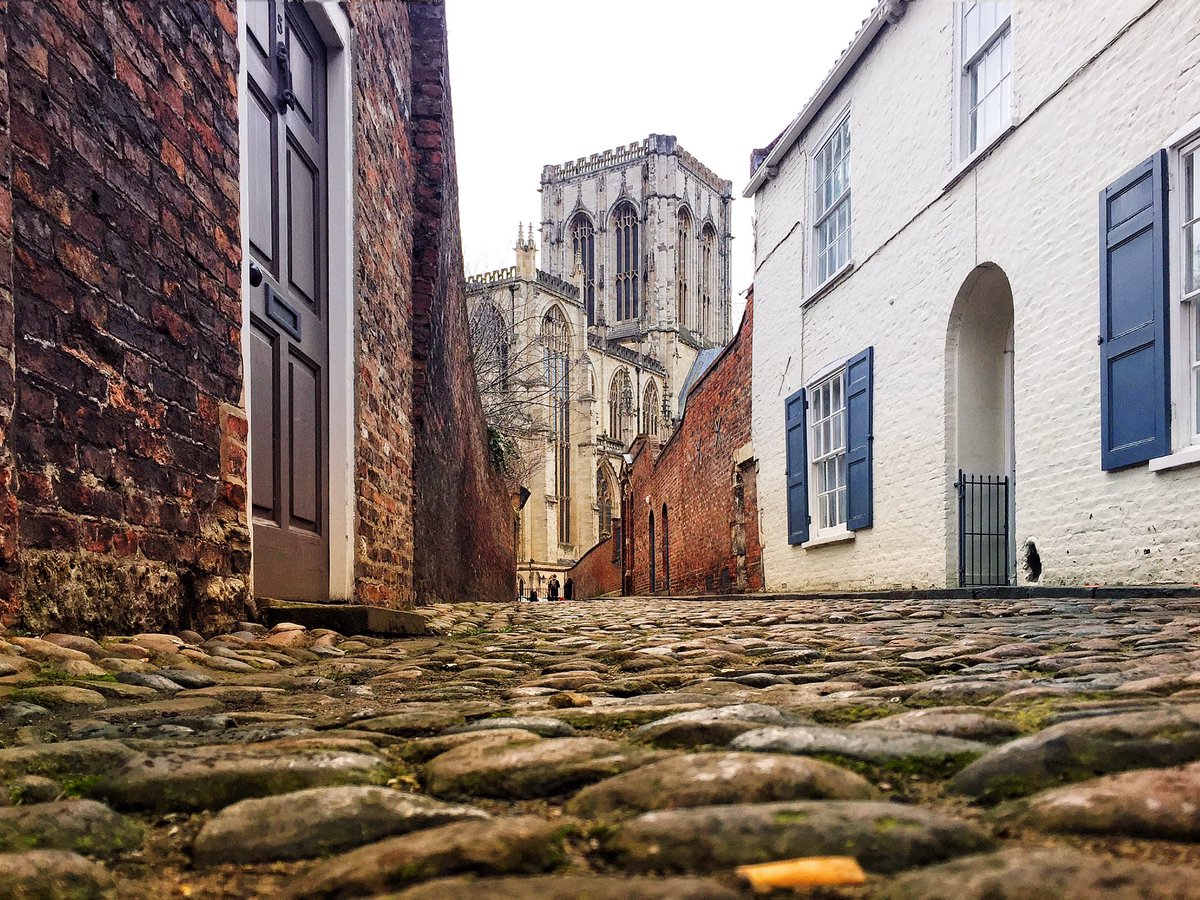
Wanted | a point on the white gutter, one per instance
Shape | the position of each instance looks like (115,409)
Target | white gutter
(886,12)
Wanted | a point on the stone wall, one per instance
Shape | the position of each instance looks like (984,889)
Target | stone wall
(705,477)
(462,512)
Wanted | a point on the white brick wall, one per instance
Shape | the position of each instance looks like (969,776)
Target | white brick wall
(1030,208)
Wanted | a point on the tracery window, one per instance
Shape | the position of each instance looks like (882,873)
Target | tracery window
(621,419)
(650,410)
(604,503)
(708,278)
(583,246)
(683,239)
(625,231)
(490,346)
(556,344)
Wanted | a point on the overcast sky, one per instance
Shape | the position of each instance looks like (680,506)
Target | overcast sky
(546,81)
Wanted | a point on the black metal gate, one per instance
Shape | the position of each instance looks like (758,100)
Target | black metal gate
(983,526)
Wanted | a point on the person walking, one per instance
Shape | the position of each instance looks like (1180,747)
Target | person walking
(569,590)
(552,588)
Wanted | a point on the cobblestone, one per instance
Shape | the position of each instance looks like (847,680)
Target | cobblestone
(642,747)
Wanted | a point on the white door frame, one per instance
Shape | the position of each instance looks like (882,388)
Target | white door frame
(333,25)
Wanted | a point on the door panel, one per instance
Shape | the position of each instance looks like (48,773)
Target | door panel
(260,158)
(264,422)
(304,238)
(305,389)
(289,325)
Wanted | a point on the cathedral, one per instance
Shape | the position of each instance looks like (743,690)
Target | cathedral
(578,358)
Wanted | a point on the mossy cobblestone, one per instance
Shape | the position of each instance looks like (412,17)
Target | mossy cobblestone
(611,748)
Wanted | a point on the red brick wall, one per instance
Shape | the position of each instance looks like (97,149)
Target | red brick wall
(384,440)
(8,502)
(596,573)
(127,305)
(713,541)
(462,513)
(127,446)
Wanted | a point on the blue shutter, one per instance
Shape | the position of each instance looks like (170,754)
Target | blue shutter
(797,468)
(859,438)
(1134,355)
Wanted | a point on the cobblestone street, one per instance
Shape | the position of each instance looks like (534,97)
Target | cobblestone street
(618,749)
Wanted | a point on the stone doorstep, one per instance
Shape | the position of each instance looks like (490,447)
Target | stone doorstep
(345,618)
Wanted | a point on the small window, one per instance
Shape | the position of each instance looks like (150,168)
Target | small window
(622,418)
(650,410)
(604,504)
(831,207)
(985,52)
(827,449)
(1190,295)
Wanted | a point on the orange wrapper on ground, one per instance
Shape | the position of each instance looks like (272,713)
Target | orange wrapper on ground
(810,871)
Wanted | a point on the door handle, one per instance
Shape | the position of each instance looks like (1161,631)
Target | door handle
(287,96)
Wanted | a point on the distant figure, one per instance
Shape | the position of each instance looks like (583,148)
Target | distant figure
(552,588)
(569,590)
(533,595)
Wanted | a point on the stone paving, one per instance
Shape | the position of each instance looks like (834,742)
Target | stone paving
(614,749)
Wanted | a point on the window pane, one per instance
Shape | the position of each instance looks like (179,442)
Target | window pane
(1191,257)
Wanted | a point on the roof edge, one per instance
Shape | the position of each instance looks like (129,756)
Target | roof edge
(885,12)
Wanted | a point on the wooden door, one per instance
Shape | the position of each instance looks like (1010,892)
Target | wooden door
(289,324)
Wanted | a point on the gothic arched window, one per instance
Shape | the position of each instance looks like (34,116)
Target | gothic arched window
(650,410)
(604,503)
(583,247)
(621,419)
(490,346)
(556,344)
(683,241)
(625,232)
(708,278)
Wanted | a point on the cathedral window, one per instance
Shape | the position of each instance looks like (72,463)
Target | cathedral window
(708,278)
(604,503)
(583,246)
(556,345)
(490,346)
(683,299)
(621,417)
(650,410)
(625,230)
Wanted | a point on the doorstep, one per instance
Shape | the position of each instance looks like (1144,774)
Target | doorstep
(345,618)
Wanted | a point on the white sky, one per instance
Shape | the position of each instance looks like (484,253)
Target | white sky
(547,81)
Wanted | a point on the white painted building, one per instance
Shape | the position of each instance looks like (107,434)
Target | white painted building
(975,252)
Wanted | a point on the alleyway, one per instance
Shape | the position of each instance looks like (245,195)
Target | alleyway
(615,750)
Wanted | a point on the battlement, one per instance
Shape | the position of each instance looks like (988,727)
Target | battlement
(586,165)
(498,277)
(662,144)
(488,279)
(554,283)
(704,173)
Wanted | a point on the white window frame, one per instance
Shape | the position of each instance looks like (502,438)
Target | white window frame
(1003,30)
(1184,311)
(824,526)
(818,217)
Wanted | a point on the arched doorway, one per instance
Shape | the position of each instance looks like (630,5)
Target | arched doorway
(980,452)
(666,552)
(653,575)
